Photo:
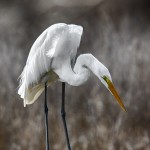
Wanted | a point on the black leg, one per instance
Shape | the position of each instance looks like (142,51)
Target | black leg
(63,114)
(46,118)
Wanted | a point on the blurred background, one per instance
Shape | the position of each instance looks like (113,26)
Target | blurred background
(117,32)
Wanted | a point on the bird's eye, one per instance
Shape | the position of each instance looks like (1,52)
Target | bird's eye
(106,78)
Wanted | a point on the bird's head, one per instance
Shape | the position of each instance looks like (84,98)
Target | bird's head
(107,81)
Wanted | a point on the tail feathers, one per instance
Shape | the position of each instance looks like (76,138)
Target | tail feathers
(30,95)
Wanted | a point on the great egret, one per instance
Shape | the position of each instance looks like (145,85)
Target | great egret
(53,57)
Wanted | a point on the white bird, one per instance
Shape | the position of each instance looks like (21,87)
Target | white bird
(53,57)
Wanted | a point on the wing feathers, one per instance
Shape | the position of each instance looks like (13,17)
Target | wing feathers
(39,62)
(55,42)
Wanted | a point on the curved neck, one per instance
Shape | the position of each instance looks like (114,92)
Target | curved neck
(85,64)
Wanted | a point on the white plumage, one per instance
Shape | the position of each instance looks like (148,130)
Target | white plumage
(53,57)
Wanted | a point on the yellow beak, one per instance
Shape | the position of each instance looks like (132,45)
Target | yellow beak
(114,93)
